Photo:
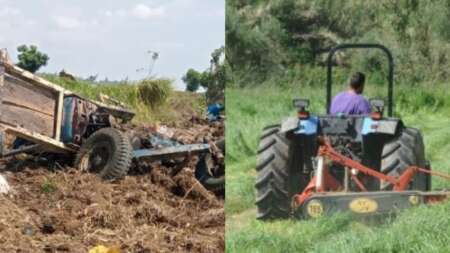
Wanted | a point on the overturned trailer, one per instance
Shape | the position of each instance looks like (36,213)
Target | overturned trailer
(46,117)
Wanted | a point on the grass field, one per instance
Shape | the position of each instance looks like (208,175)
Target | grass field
(423,229)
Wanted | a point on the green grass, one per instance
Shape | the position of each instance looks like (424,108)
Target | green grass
(48,187)
(423,229)
(128,93)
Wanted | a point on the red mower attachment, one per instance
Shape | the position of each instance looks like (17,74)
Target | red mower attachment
(326,195)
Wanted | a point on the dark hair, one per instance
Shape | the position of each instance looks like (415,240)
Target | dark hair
(357,80)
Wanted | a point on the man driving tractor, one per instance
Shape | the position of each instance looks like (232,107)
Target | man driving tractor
(351,102)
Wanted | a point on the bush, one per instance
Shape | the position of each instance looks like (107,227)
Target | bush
(154,92)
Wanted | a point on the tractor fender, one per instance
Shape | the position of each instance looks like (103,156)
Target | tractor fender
(298,126)
(385,126)
(289,125)
(309,126)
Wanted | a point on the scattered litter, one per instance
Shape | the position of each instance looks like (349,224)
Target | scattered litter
(28,230)
(164,130)
(158,141)
(103,249)
(4,186)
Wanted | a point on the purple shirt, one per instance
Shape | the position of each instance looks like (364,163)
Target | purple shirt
(349,103)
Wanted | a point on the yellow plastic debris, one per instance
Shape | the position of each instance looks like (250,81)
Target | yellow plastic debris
(103,249)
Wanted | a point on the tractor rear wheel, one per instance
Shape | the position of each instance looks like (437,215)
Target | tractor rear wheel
(405,150)
(278,178)
(107,152)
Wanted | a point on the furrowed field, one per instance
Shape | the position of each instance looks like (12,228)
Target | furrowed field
(423,229)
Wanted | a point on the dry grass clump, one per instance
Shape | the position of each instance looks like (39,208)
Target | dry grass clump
(155,92)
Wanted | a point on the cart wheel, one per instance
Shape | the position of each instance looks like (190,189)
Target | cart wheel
(210,173)
(107,152)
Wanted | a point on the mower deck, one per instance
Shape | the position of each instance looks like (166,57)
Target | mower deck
(324,195)
(365,203)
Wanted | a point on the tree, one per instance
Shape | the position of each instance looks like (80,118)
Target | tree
(193,80)
(212,79)
(31,59)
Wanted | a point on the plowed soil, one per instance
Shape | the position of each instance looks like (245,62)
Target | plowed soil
(65,210)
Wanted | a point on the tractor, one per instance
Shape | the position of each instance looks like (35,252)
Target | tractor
(314,165)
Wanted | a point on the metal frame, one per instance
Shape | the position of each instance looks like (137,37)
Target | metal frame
(324,184)
(362,46)
(170,152)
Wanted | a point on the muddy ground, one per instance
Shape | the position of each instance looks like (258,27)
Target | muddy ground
(64,210)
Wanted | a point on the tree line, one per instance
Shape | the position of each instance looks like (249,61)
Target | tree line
(267,39)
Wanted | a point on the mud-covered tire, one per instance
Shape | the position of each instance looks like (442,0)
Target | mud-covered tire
(220,144)
(278,174)
(398,154)
(214,183)
(107,152)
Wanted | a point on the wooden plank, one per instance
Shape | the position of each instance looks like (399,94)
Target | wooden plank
(116,111)
(16,71)
(25,118)
(59,116)
(20,93)
(11,102)
(47,142)
(26,105)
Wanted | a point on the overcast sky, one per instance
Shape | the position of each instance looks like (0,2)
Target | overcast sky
(111,38)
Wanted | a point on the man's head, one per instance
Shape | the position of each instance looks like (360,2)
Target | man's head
(357,82)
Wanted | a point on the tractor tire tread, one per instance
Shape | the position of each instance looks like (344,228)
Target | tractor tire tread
(274,172)
(122,156)
(405,150)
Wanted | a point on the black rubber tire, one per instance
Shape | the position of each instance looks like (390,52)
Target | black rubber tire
(404,151)
(116,148)
(212,183)
(278,169)
(220,144)
(215,184)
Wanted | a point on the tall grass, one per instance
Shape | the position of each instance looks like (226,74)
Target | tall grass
(154,92)
(423,229)
(156,104)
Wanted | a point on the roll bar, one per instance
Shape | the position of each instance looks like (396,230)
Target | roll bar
(362,46)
